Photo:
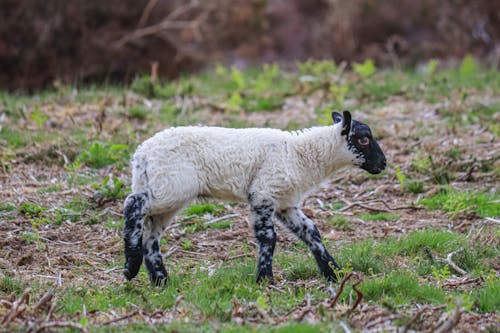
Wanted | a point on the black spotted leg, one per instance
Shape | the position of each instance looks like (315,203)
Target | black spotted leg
(134,213)
(305,229)
(262,211)
(151,250)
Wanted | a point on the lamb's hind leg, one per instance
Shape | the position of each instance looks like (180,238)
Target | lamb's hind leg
(262,211)
(153,229)
(136,207)
(305,229)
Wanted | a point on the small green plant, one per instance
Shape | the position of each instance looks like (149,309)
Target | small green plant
(187,245)
(430,67)
(30,210)
(366,69)
(380,217)
(109,191)
(202,209)
(7,207)
(441,274)
(488,297)
(100,155)
(455,202)
(339,222)
(138,112)
(407,184)
(468,67)
(39,117)
(317,68)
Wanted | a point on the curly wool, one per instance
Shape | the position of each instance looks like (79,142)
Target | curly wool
(180,164)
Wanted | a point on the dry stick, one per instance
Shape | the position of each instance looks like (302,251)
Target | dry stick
(448,325)
(166,24)
(452,264)
(222,218)
(341,288)
(17,309)
(415,318)
(353,204)
(44,326)
(358,292)
(128,315)
(46,297)
(145,14)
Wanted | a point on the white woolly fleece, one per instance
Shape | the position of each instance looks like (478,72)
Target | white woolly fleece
(180,164)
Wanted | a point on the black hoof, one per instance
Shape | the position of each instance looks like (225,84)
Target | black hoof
(132,267)
(159,280)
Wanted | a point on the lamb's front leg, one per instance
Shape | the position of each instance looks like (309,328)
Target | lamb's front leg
(262,211)
(151,249)
(305,229)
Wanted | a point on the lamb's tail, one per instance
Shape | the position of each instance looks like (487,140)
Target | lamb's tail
(134,212)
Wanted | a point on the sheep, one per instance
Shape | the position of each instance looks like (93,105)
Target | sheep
(271,169)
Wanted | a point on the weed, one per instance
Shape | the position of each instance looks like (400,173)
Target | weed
(7,207)
(488,297)
(100,155)
(339,222)
(400,287)
(366,69)
(455,202)
(201,209)
(39,117)
(109,191)
(30,210)
(138,113)
(408,184)
(380,217)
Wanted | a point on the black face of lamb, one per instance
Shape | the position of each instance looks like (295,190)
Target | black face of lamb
(132,233)
(361,143)
(305,229)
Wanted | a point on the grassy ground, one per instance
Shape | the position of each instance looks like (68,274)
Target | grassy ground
(422,237)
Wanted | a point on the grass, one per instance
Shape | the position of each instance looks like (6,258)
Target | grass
(380,217)
(202,209)
(455,202)
(84,160)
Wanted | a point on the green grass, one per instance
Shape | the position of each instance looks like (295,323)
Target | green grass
(401,287)
(488,297)
(456,202)
(340,222)
(202,209)
(380,217)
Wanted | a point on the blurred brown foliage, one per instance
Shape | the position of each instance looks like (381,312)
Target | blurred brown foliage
(93,41)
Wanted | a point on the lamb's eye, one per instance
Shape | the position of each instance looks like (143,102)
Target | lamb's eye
(364,141)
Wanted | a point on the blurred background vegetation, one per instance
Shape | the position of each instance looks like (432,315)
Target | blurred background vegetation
(45,43)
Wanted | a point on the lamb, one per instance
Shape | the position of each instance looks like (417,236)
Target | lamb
(272,170)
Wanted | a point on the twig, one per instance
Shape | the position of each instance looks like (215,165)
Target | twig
(46,297)
(358,292)
(362,205)
(17,309)
(452,264)
(355,275)
(145,14)
(128,315)
(448,325)
(492,219)
(222,218)
(44,326)
(415,318)
(166,24)
(345,327)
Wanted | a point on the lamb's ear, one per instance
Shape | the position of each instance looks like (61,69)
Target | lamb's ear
(337,117)
(346,127)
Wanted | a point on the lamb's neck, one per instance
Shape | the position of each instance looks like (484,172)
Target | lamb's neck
(319,153)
